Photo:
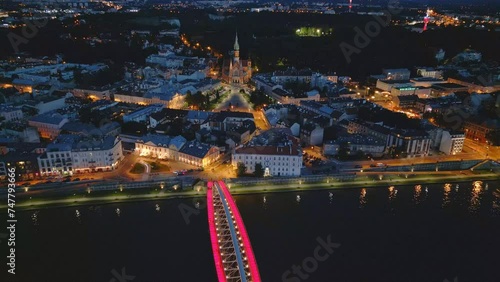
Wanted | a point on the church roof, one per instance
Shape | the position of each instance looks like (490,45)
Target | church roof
(236,45)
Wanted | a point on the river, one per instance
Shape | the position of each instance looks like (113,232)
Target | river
(404,233)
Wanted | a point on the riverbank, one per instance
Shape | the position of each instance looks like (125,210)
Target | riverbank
(136,195)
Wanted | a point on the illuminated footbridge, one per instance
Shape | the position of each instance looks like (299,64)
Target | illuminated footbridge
(233,254)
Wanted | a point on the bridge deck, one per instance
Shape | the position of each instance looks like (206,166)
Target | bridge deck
(233,253)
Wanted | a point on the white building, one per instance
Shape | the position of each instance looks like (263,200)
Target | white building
(412,143)
(276,150)
(411,90)
(387,85)
(10,113)
(452,143)
(71,154)
(178,149)
(275,160)
(159,146)
(429,72)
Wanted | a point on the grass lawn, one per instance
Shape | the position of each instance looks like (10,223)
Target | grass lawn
(137,169)
(159,167)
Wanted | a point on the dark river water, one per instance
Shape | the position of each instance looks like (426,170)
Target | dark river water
(409,235)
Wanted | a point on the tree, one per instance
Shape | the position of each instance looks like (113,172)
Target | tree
(259,170)
(241,169)
(207,97)
(493,138)
(134,128)
(344,151)
(189,98)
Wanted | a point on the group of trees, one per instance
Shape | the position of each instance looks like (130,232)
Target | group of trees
(101,78)
(134,128)
(298,88)
(197,100)
(241,170)
(258,98)
(202,101)
(345,153)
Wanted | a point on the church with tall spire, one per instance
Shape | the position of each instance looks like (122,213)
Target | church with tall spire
(234,69)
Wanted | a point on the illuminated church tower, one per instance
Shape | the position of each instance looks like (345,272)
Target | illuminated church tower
(235,70)
(236,48)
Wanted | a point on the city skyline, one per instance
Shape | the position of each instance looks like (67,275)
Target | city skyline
(196,141)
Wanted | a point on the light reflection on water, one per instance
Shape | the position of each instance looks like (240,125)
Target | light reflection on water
(34,218)
(476,193)
(416,195)
(78,216)
(392,194)
(495,208)
(472,198)
(362,198)
(446,195)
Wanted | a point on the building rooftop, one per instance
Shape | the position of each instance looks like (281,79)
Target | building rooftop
(395,81)
(8,108)
(221,116)
(276,141)
(166,141)
(49,118)
(169,114)
(425,79)
(448,86)
(201,115)
(79,127)
(281,92)
(195,149)
(70,142)
(293,72)
(388,71)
